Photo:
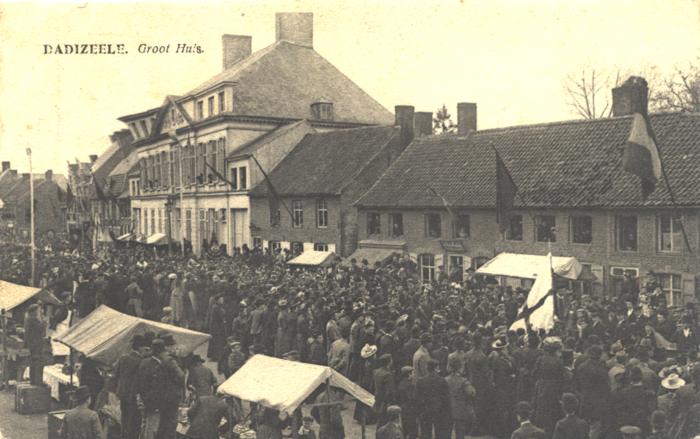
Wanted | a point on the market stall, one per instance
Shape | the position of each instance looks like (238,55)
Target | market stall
(104,335)
(527,266)
(13,295)
(283,385)
(313,258)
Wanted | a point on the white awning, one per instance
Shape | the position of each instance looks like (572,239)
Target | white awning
(13,295)
(313,258)
(126,237)
(283,385)
(157,239)
(527,266)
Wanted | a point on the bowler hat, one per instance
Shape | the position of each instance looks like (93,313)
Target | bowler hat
(168,339)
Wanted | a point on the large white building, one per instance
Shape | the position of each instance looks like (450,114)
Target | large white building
(254,111)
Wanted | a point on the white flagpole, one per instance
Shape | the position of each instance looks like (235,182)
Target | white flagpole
(31,210)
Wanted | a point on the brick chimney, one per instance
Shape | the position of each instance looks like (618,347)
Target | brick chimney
(25,175)
(5,166)
(466,118)
(404,119)
(13,172)
(93,158)
(631,97)
(295,27)
(423,123)
(235,48)
(123,138)
(48,175)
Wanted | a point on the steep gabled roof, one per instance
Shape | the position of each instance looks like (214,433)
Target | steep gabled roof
(251,147)
(324,163)
(563,164)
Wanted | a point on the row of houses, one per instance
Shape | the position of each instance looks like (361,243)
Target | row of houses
(280,150)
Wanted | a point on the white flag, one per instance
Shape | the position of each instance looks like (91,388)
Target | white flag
(543,315)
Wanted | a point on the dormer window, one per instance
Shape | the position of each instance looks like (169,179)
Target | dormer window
(200,110)
(222,102)
(144,128)
(134,129)
(322,110)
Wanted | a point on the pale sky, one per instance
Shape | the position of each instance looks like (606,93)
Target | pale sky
(510,57)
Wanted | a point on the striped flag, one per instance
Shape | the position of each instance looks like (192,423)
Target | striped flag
(538,310)
(641,156)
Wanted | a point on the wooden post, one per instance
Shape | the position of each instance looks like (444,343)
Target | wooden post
(295,425)
(3,317)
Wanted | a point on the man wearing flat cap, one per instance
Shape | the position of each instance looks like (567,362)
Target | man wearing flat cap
(527,430)
(80,422)
(571,426)
(392,428)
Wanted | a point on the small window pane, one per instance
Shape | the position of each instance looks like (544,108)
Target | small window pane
(433,225)
(581,230)
(627,233)
(373,223)
(545,228)
(395,225)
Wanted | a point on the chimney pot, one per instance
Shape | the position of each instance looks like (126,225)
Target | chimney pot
(423,123)
(295,27)
(631,97)
(5,166)
(466,118)
(404,119)
(93,158)
(48,175)
(235,48)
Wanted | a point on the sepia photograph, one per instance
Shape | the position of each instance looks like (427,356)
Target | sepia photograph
(390,219)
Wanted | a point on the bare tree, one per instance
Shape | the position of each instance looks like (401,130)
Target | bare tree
(589,93)
(679,91)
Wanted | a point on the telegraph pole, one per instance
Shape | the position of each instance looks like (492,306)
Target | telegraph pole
(31,211)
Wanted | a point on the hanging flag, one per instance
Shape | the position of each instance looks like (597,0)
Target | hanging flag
(98,190)
(538,310)
(218,174)
(641,156)
(506,191)
(273,196)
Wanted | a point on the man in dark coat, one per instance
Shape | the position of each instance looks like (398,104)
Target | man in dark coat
(392,429)
(206,415)
(171,389)
(147,386)
(433,398)
(124,375)
(384,389)
(527,429)
(593,384)
(636,403)
(34,337)
(80,422)
(480,375)
(571,426)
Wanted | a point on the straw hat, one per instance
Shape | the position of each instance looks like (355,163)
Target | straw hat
(368,350)
(672,382)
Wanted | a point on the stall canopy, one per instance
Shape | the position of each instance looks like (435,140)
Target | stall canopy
(105,335)
(527,266)
(283,385)
(13,295)
(372,255)
(157,239)
(313,258)
(126,237)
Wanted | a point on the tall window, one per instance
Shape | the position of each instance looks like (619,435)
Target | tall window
(581,230)
(160,220)
(220,156)
(242,178)
(203,233)
(395,225)
(175,167)
(669,235)
(514,232)
(672,286)
(427,267)
(145,221)
(153,221)
(200,109)
(210,106)
(202,168)
(545,228)
(321,214)
(222,102)
(234,178)
(178,223)
(158,172)
(191,165)
(460,228)
(298,212)
(211,160)
(433,225)
(275,214)
(165,169)
(374,225)
(188,224)
(143,165)
(626,230)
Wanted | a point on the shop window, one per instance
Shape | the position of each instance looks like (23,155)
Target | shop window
(373,223)
(669,233)
(626,230)
(460,228)
(395,225)
(581,229)
(427,267)
(545,228)
(433,225)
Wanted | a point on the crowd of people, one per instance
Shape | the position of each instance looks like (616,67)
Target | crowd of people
(439,357)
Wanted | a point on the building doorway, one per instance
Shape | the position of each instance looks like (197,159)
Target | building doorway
(238,226)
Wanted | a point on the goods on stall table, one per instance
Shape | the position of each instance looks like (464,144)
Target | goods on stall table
(243,431)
